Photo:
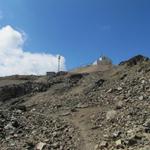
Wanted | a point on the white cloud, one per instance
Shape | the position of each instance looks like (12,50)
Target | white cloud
(14,60)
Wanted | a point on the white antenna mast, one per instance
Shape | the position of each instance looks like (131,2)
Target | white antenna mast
(59,57)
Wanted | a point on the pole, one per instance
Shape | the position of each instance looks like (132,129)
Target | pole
(59,57)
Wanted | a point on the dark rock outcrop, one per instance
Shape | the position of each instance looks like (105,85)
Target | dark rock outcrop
(135,60)
(13,91)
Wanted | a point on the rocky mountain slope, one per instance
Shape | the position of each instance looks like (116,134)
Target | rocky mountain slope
(99,110)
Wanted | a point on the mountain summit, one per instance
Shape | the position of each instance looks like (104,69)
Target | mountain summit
(92,108)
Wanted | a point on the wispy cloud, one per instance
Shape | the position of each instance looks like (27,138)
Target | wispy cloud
(15,60)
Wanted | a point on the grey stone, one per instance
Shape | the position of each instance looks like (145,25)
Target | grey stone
(119,143)
(103,144)
(40,146)
(141,98)
(111,115)
(147,123)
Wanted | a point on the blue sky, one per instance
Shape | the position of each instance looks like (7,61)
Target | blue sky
(81,30)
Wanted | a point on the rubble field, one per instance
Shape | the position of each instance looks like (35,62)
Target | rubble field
(100,110)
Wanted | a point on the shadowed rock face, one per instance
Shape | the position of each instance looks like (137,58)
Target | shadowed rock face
(17,90)
(135,60)
(13,91)
(74,78)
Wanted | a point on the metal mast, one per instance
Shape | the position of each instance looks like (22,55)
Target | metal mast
(59,57)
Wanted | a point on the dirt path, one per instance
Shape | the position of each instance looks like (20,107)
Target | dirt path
(86,143)
(80,120)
